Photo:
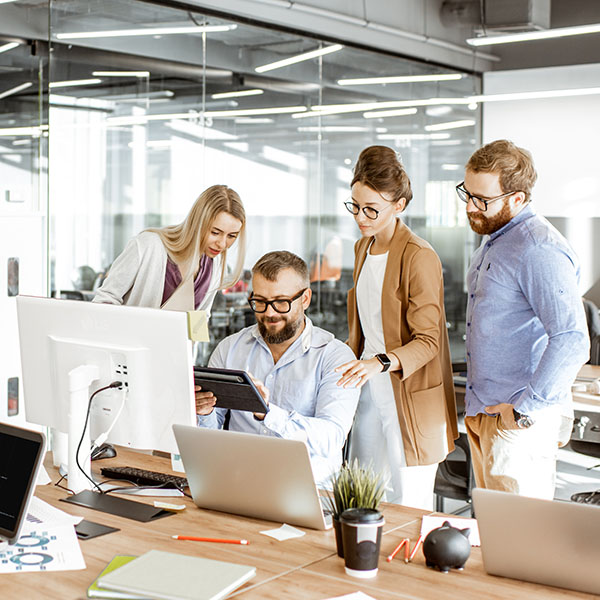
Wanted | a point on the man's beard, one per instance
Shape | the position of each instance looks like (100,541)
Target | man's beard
(283,335)
(486,225)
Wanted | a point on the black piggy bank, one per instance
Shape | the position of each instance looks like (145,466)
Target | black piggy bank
(447,547)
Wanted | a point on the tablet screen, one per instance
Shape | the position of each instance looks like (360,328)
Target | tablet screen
(20,454)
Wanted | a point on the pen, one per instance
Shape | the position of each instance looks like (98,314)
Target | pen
(397,549)
(414,550)
(205,539)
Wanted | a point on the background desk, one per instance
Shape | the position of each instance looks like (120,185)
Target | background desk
(306,568)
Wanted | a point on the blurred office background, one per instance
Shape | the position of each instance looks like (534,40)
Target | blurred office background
(116,114)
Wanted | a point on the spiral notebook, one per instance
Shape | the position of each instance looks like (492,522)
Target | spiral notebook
(170,576)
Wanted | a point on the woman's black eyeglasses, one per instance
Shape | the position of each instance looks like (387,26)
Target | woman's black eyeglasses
(368,211)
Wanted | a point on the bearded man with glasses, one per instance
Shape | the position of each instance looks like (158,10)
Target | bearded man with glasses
(292,363)
(526,329)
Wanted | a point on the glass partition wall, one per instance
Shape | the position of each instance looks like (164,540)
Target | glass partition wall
(149,105)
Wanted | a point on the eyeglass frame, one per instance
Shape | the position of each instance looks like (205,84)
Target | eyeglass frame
(364,208)
(268,303)
(461,188)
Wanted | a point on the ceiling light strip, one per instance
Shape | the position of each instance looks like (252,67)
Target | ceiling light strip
(400,112)
(121,73)
(73,83)
(15,90)
(299,58)
(530,36)
(237,94)
(9,46)
(401,79)
(148,31)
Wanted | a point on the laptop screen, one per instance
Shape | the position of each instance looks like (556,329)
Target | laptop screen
(21,452)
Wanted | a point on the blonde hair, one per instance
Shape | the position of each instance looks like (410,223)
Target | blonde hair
(185,242)
(513,165)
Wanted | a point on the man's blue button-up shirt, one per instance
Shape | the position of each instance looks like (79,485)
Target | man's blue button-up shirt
(526,329)
(305,403)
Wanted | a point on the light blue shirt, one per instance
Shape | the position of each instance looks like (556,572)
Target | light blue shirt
(526,329)
(304,403)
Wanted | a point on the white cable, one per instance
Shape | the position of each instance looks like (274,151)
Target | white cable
(102,437)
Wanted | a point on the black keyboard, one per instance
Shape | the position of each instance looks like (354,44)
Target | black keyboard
(143,477)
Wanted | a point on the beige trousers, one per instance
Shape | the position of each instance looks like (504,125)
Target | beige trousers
(521,461)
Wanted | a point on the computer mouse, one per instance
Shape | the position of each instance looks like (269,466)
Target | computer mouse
(104,451)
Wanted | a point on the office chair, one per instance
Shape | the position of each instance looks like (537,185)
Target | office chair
(454,477)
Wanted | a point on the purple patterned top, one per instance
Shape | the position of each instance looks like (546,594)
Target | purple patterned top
(201,283)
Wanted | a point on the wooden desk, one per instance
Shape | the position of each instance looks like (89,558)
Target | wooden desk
(306,567)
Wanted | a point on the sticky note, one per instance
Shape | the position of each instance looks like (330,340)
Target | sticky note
(198,326)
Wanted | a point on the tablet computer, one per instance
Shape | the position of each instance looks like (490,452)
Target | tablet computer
(21,453)
(232,389)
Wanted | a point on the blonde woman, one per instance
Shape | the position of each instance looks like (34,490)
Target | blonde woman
(181,267)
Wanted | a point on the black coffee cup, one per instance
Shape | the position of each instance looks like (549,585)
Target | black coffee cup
(361,534)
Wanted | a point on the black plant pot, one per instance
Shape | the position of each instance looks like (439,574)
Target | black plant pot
(339,542)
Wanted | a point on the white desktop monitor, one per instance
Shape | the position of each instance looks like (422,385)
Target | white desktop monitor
(147,349)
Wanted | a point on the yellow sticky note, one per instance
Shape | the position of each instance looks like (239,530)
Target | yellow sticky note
(198,326)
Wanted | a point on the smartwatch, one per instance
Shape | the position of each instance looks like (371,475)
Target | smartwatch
(522,421)
(385,361)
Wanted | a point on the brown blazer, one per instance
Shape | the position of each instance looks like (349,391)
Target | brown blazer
(414,329)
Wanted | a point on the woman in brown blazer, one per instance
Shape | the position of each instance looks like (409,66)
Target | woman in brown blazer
(406,419)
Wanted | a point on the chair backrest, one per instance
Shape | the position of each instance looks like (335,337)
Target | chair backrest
(595,350)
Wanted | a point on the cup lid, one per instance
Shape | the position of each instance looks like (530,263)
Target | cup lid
(360,515)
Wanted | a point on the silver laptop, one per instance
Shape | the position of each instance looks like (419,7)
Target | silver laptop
(252,475)
(550,542)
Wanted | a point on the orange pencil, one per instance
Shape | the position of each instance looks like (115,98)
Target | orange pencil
(414,550)
(406,550)
(205,539)
(397,549)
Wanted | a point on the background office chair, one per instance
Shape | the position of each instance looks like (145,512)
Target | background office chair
(454,478)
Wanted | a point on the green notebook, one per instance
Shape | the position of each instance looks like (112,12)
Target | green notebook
(169,576)
(94,591)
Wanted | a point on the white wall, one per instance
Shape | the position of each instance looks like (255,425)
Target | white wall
(563,135)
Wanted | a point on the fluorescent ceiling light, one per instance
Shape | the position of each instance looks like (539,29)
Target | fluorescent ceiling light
(6,1)
(33,131)
(121,73)
(79,35)
(447,143)
(536,95)
(451,167)
(73,83)
(413,136)
(15,90)
(450,125)
(299,58)
(249,112)
(9,46)
(333,129)
(399,112)
(334,109)
(142,119)
(529,36)
(253,121)
(237,93)
(400,79)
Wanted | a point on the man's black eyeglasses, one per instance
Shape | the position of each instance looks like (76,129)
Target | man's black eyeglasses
(480,203)
(280,305)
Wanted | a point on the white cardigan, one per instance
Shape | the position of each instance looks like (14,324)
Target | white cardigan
(137,276)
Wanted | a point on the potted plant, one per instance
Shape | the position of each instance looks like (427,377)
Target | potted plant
(353,486)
